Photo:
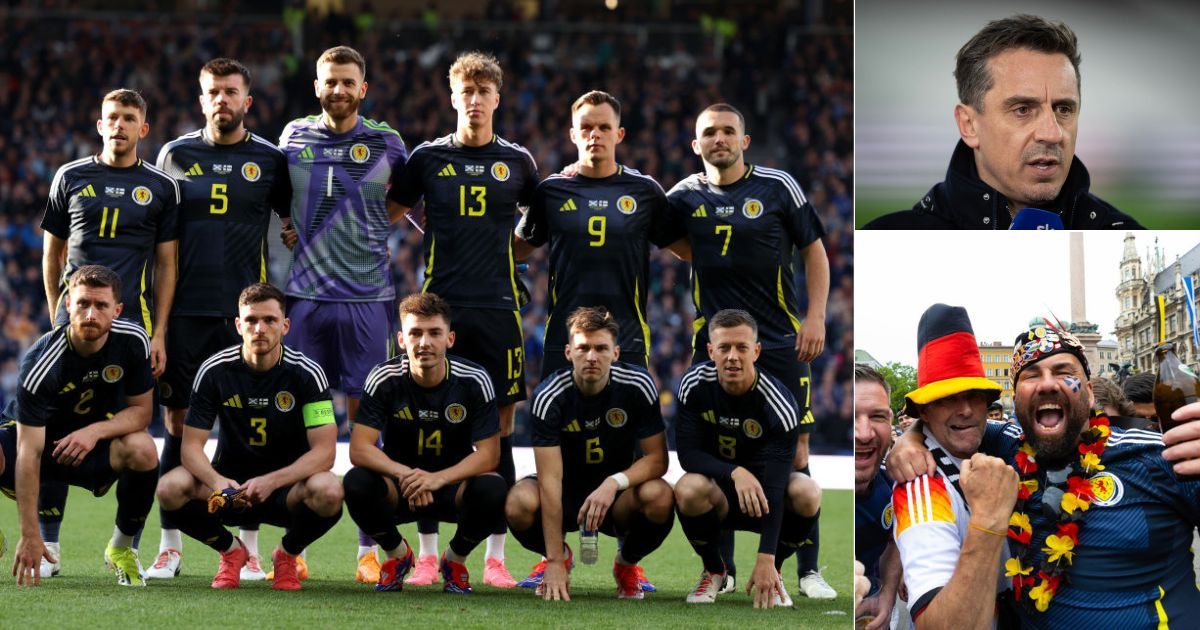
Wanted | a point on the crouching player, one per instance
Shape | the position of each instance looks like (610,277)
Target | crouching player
(275,446)
(736,435)
(81,414)
(588,421)
(441,443)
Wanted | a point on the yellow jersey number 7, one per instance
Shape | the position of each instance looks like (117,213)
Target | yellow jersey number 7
(726,230)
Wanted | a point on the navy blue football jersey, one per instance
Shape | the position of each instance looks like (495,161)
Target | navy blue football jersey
(229,192)
(114,217)
(600,231)
(716,433)
(471,196)
(743,237)
(429,428)
(64,391)
(264,417)
(598,435)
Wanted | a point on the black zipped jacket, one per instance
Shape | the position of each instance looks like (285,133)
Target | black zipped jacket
(964,202)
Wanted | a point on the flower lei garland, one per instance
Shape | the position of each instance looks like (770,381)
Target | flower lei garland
(1060,546)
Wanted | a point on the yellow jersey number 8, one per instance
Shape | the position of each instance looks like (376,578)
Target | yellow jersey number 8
(727,445)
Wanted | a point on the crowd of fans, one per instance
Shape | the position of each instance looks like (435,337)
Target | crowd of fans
(794,84)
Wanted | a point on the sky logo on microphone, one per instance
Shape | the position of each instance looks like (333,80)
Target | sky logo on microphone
(1035,219)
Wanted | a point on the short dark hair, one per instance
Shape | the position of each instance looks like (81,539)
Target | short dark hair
(96,276)
(477,66)
(725,107)
(223,67)
(261,292)
(868,374)
(589,319)
(425,305)
(126,97)
(1019,31)
(1108,394)
(597,97)
(1139,388)
(342,55)
(732,318)
(996,406)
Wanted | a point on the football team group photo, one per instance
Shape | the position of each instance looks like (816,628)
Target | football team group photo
(507,298)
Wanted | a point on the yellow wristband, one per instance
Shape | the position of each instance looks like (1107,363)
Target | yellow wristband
(984,529)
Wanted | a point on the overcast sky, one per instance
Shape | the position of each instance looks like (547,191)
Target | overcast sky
(1002,278)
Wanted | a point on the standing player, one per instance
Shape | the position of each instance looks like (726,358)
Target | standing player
(81,415)
(472,181)
(736,437)
(744,223)
(589,421)
(599,223)
(437,418)
(231,181)
(115,210)
(274,449)
(340,283)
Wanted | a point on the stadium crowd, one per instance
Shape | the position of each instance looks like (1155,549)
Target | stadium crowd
(794,84)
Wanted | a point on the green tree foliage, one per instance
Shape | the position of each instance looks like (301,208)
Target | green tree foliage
(902,379)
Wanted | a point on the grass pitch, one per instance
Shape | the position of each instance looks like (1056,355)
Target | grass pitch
(86,595)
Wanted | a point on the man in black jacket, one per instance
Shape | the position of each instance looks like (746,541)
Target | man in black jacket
(1018,87)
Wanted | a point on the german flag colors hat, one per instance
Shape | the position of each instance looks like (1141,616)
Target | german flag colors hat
(948,360)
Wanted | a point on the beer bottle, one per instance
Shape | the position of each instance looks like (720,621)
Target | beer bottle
(1174,386)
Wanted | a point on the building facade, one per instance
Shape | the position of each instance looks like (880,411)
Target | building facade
(997,357)
(1137,324)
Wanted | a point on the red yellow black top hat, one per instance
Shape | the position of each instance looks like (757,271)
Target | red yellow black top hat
(948,360)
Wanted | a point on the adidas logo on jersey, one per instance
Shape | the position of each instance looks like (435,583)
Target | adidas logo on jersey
(700,212)
(512,391)
(235,402)
(404,414)
(69,387)
(572,427)
(570,205)
(306,154)
(195,171)
(87,191)
(448,171)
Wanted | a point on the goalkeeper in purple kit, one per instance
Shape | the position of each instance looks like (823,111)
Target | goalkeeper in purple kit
(339,287)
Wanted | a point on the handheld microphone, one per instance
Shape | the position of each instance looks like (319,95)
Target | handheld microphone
(1034,219)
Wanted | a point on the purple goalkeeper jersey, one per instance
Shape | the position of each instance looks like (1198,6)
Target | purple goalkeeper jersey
(339,209)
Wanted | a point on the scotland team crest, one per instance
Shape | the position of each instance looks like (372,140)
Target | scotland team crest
(752,209)
(360,153)
(752,428)
(627,204)
(616,418)
(1108,489)
(142,196)
(886,518)
(251,171)
(500,171)
(456,413)
(285,401)
(112,373)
